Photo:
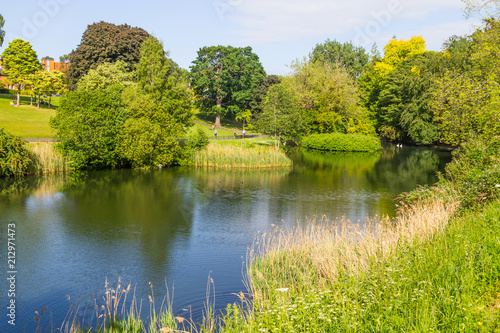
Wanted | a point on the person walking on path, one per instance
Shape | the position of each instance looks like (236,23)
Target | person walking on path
(244,132)
(234,133)
(215,133)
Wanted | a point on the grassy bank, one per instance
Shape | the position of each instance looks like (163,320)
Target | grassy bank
(240,154)
(342,142)
(47,158)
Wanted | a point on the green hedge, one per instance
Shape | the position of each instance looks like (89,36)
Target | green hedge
(342,142)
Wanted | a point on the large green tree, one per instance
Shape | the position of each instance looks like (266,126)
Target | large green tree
(260,93)
(105,43)
(404,104)
(20,61)
(353,58)
(329,98)
(2,32)
(225,78)
(281,114)
(43,82)
(87,125)
(159,109)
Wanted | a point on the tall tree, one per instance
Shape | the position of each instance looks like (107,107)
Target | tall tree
(281,114)
(353,58)
(20,61)
(329,98)
(261,91)
(2,32)
(159,109)
(105,43)
(482,8)
(225,77)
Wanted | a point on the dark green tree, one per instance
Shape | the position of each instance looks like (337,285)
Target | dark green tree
(20,61)
(261,91)
(105,43)
(353,58)
(87,124)
(225,78)
(159,109)
(2,32)
(281,115)
(405,110)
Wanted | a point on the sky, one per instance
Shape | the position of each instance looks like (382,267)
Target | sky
(279,31)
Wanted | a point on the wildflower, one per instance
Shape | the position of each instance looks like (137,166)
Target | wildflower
(282,289)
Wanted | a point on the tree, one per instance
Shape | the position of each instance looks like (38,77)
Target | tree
(466,103)
(261,91)
(49,83)
(20,60)
(87,125)
(105,43)
(482,8)
(64,58)
(353,58)
(159,109)
(225,78)
(329,98)
(281,115)
(405,100)
(105,75)
(2,32)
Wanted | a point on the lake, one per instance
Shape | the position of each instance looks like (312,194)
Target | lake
(179,226)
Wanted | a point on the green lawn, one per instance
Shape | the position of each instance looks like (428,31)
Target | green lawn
(26,121)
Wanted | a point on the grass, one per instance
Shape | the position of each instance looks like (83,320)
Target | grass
(26,121)
(47,158)
(239,154)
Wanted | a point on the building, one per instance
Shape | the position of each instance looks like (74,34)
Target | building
(50,65)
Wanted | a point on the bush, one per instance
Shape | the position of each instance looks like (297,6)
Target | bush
(198,140)
(14,155)
(342,142)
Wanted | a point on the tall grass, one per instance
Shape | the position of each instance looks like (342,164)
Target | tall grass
(46,158)
(230,156)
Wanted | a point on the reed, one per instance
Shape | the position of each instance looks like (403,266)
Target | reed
(230,156)
(46,158)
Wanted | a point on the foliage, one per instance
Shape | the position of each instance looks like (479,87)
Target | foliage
(373,81)
(329,98)
(475,171)
(105,75)
(342,142)
(105,43)
(281,115)
(465,102)
(43,82)
(260,93)
(2,32)
(159,110)
(482,8)
(64,58)
(87,125)
(353,58)
(15,158)
(404,101)
(20,61)
(224,78)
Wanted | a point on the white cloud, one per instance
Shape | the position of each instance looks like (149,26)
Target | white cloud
(265,21)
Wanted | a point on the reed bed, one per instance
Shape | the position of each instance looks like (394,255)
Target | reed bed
(230,156)
(46,158)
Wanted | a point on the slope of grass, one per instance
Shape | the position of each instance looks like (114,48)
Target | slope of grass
(26,121)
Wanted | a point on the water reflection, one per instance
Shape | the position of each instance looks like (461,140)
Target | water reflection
(179,225)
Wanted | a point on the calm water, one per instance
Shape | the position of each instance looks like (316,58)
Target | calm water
(179,225)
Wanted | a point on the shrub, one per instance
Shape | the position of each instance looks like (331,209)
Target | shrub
(342,142)
(14,155)
(198,139)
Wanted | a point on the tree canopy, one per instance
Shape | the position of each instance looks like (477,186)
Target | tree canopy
(2,32)
(105,75)
(354,58)
(105,43)
(20,61)
(225,78)
(261,91)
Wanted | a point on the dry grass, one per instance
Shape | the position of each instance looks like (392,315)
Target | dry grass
(228,156)
(313,256)
(48,159)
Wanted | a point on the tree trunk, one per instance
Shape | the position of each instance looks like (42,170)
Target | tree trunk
(50,100)
(38,102)
(31,100)
(217,115)
(18,96)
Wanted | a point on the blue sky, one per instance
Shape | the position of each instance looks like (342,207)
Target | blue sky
(279,31)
